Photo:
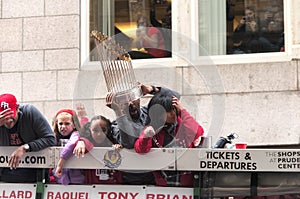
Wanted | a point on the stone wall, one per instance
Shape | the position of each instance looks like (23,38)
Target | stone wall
(39,44)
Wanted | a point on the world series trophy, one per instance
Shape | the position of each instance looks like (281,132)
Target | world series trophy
(117,69)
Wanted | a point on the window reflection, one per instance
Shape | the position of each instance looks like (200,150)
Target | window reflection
(259,29)
(119,19)
(240,26)
(225,26)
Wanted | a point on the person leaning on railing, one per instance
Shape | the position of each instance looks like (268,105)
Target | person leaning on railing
(127,127)
(23,126)
(97,133)
(169,125)
(67,129)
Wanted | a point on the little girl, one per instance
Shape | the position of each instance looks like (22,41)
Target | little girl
(66,126)
(98,133)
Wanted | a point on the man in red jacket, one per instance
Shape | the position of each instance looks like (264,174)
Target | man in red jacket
(168,125)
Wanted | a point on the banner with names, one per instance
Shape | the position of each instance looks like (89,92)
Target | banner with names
(17,191)
(54,191)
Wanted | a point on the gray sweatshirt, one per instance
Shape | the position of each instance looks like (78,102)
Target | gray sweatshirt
(33,128)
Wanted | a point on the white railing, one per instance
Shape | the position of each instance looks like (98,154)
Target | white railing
(221,172)
(244,160)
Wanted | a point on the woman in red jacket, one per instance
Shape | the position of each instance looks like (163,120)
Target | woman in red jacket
(168,125)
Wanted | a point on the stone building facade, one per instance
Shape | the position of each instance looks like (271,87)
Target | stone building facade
(43,62)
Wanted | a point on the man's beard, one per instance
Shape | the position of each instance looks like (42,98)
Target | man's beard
(10,124)
(134,112)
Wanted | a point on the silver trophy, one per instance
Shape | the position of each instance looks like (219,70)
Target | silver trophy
(117,69)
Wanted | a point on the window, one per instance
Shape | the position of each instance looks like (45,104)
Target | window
(141,27)
(211,24)
(241,26)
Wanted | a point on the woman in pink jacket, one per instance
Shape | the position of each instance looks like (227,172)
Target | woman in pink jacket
(168,125)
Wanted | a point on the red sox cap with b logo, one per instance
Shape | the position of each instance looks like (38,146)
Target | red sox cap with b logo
(8,101)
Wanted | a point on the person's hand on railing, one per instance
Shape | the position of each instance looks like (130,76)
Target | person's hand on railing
(79,149)
(117,146)
(15,157)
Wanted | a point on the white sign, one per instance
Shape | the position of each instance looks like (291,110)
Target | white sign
(41,159)
(118,192)
(115,192)
(58,191)
(15,191)
(283,160)
(274,160)
(169,193)
(125,159)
